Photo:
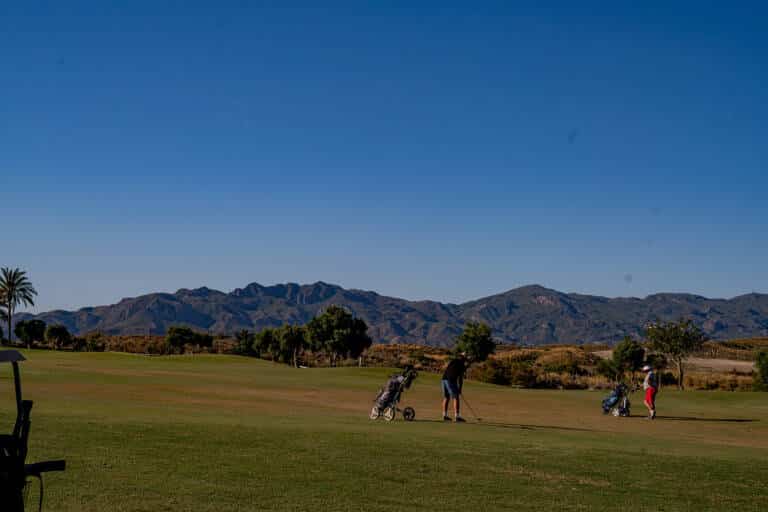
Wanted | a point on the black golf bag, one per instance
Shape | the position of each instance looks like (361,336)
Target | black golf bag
(617,403)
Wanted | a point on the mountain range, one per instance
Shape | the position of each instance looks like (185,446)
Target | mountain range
(529,315)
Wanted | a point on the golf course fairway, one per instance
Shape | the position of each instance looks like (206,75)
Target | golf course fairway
(220,433)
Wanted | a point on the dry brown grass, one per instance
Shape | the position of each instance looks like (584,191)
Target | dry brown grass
(567,355)
(740,349)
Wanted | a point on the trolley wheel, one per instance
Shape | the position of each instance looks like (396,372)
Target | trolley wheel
(616,412)
(375,413)
(390,413)
(409,414)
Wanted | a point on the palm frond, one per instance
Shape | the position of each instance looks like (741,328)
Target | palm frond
(16,288)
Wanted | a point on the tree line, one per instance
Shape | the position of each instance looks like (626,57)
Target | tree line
(334,332)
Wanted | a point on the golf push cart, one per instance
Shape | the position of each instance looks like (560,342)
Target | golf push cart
(15,475)
(387,400)
(617,403)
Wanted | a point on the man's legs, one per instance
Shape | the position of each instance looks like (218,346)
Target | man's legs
(451,392)
(456,395)
(446,398)
(650,402)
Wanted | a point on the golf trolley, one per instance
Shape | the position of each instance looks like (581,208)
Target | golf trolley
(15,475)
(387,400)
(617,403)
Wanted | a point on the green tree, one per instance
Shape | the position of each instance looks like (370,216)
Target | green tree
(179,336)
(476,341)
(244,339)
(761,375)
(57,335)
(338,333)
(628,356)
(29,331)
(607,368)
(15,290)
(292,340)
(94,342)
(267,342)
(676,341)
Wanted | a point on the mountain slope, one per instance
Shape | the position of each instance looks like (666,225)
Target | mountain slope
(531,314)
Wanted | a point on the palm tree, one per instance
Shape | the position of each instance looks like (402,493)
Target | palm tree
(15,290)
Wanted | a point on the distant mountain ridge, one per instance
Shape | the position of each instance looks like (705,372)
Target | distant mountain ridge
(528,315)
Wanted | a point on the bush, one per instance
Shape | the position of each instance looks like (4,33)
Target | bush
(493,372)
(523,375)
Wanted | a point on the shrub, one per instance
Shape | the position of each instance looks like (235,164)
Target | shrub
(522,374)
(493,372)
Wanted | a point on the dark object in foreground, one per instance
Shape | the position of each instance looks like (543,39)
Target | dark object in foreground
(617,403)
(14,473)
(389,396)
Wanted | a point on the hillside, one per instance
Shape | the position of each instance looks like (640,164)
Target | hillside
(529,315)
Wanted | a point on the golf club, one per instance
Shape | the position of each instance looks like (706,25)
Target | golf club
(464,398)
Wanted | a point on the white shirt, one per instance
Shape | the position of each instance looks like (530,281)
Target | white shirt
(650,380)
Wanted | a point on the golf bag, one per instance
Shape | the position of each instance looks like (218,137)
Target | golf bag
(389,396)
(617,403)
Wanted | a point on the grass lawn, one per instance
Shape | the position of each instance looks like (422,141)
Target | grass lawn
(219,433)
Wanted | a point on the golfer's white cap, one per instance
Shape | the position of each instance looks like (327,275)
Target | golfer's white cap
(646,368)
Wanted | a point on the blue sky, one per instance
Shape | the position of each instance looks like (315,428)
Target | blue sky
(435,151)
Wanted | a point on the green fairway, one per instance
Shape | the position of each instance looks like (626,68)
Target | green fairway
(218,433)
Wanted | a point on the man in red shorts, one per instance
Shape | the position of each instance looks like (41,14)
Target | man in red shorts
(651,387)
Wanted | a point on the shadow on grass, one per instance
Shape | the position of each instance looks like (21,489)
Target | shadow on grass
(517,426)
(690,418)
(524,426)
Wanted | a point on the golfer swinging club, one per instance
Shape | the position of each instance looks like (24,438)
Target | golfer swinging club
(651,386)
(453,381)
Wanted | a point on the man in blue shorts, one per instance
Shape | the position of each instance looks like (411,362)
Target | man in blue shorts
(453,380)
